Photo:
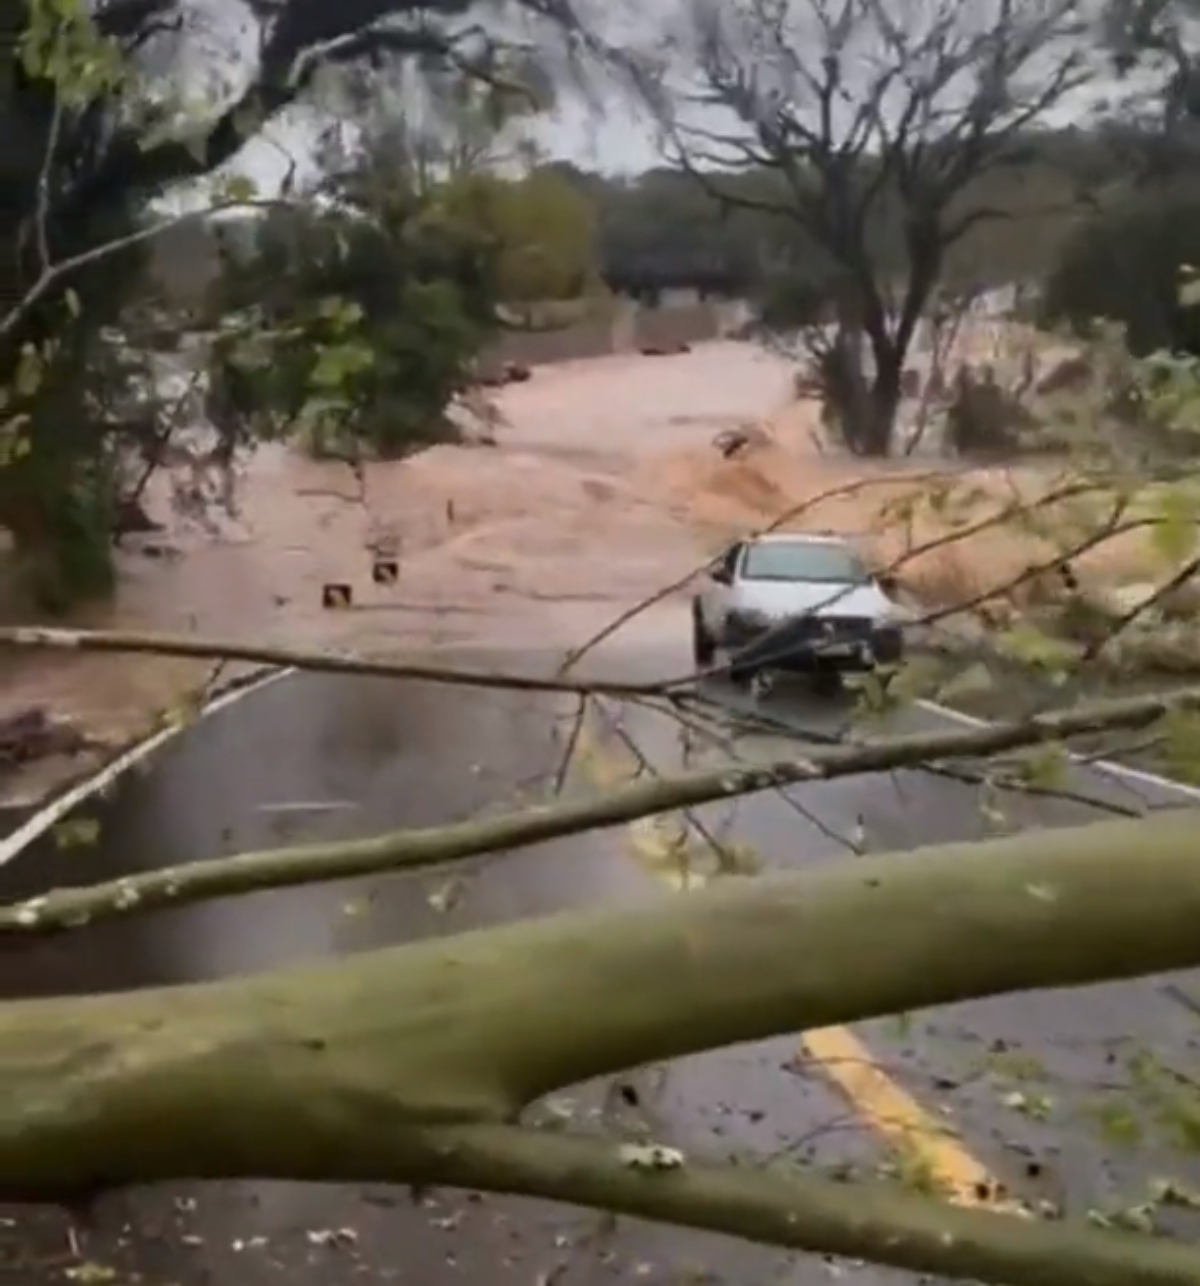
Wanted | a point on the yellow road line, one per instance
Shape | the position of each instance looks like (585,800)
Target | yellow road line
(935,1151)
(940,1158)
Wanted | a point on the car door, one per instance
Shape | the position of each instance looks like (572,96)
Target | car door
(715,601)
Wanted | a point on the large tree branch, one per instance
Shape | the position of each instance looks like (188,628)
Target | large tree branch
(299,38)
(419,849)
(366,1068)
(289,60)
(322,662)
(785,1206)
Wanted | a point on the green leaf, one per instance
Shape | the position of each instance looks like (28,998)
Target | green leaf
(1174,534)
(1024,642)
(91,1273)
(918,677)
(1044,768)
(874,692)
(240,187)
(972,681)
(30,368)
(339,363)
(1119,1124)
(76,832)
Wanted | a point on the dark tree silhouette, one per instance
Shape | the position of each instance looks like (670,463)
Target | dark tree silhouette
(864,115)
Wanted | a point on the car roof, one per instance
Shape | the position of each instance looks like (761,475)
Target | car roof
(799,538)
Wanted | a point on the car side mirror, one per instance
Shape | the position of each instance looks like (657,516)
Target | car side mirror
(720,575)
(889,584)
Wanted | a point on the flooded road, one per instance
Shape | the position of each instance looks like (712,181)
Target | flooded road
(1014,1086)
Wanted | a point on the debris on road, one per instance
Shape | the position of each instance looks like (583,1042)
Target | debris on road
(34,734)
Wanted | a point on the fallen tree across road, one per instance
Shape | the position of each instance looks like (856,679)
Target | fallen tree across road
(411,1065)
(416,849)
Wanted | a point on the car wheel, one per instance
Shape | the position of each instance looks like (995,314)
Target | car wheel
(704,650)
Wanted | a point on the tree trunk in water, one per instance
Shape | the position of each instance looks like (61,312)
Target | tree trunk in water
(881,404)
(865,407)
(845,389)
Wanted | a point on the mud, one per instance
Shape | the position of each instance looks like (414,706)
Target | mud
(602,483)
(539,538)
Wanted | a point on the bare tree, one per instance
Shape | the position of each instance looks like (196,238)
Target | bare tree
(860,114)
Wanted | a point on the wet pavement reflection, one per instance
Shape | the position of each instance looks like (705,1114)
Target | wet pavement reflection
(319,758)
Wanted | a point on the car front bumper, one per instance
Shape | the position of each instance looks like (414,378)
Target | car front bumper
(810,643)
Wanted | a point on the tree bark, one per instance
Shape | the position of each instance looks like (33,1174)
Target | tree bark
(784,1206)
(340,1071)
(865,407)
(883,403)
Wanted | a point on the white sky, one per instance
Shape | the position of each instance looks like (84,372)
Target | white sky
(617,138)
(611,141)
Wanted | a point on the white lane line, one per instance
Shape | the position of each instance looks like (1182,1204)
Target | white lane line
(1107,767)
(59,807)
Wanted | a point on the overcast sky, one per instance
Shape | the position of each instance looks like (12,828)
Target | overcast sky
(618,138)
(613,140)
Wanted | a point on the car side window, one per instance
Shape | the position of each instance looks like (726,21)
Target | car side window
(730,561)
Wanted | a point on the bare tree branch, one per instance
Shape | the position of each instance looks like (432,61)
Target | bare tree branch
(417,849)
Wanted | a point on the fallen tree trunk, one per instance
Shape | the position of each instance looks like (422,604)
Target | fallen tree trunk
(403,1065)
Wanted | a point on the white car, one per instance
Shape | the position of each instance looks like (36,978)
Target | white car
(796,602)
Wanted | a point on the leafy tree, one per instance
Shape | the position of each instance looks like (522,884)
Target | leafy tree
(1125,263)
(661,230)
(356,316)
(94,139)
(358,320)
(547,234)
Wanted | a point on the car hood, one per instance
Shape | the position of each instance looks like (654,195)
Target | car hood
(794,598)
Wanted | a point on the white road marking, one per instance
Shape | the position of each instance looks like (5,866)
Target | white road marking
(62,805)
(1106,767)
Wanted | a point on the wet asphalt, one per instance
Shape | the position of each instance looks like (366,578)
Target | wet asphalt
(1078,1099)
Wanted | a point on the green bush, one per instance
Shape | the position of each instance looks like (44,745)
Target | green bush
(357,325)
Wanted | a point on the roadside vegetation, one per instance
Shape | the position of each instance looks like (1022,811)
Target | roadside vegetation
(344,315)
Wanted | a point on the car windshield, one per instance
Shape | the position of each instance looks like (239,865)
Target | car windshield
(803,560)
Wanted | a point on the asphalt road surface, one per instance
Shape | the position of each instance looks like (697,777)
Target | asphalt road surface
(1017,1098)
